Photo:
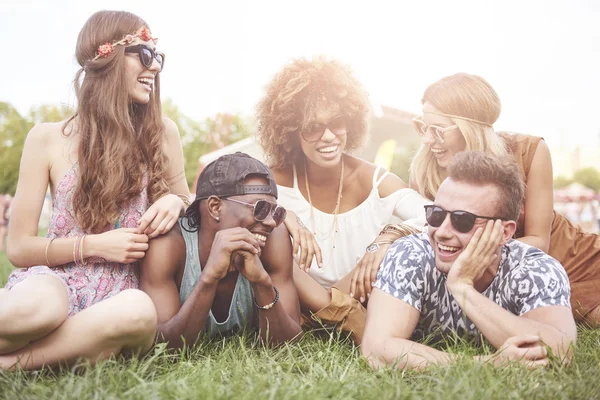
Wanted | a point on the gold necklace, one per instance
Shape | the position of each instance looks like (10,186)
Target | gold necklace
(335,210)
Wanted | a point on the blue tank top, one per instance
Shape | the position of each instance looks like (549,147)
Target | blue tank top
(241,311)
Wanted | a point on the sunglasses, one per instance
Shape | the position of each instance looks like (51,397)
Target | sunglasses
(438,132)
(338,126)
(147,55)
(262,208)
(462,221)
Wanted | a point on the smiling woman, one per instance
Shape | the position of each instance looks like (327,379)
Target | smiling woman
(114,169)
(314,114)
(470,105)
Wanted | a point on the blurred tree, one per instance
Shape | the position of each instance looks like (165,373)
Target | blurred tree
(199,138)
(402,159)
(589,177)
(561,182)
(13,131)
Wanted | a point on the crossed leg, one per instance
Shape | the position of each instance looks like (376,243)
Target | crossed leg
(30,310)
(123,323)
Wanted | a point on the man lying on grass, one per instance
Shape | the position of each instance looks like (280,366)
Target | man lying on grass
(466,276)
(228,264)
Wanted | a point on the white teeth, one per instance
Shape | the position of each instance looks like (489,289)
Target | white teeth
(146,81)
(448,248)
(438,151)
(329,149)
(260,238)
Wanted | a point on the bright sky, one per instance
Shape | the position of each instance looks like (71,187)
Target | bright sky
(542,56)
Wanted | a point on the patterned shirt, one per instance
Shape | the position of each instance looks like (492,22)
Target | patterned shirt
(527,278)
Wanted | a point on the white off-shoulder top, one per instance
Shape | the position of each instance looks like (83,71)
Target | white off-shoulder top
(356,228)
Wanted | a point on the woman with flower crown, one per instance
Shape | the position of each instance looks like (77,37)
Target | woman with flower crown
(313,115)
(115,169)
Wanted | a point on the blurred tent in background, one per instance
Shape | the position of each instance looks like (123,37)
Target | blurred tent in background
(574,192)
(580,205)
(391,143)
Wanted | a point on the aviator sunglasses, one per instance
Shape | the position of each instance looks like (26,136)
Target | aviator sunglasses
(462,221)
(262,208)
(147,55)
(338,126)
(437,131)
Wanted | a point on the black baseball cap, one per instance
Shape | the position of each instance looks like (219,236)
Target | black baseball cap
(225,177)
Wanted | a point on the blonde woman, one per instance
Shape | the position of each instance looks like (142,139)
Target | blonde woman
(458,114)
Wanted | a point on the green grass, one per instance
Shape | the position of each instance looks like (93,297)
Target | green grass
(313,368)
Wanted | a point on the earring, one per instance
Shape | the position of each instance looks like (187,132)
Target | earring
(218,219)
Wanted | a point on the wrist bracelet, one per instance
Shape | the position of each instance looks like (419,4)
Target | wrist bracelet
(46,252)
(400,229)
(186,199)
(373,247)
(81,259)
(270,305)
(75,250)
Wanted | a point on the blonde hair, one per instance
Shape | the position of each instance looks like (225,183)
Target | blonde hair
(462,95)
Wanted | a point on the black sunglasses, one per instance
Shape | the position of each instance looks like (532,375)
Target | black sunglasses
(262,209)
(147,55)
(462,221)
(338,126)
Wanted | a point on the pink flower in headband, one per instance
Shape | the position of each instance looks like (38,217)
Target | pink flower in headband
(105,49)
(145,34)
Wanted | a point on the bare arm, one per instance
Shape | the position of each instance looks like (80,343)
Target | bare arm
(282,322)
(25,248)
(177,323)
(174,152)
(553,324)
(386,340)
(539,202)
(162,215)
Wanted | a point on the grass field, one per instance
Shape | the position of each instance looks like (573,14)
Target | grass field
(314,368)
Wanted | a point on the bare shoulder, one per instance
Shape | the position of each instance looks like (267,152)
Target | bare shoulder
(171,129)
(46,133)
(364,172)
(284,176)
(165,255)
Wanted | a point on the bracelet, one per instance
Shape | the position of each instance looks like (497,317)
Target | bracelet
(81,260)
(270,305)
(373,247)
(46,252)
(186,199)
(401,229)
(75,251)
(77,247)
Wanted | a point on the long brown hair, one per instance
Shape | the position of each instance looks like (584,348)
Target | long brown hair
(121,141)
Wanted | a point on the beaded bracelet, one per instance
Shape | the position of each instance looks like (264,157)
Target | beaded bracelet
(270,305)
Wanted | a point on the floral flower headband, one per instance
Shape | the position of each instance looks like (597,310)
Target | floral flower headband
(105,49)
